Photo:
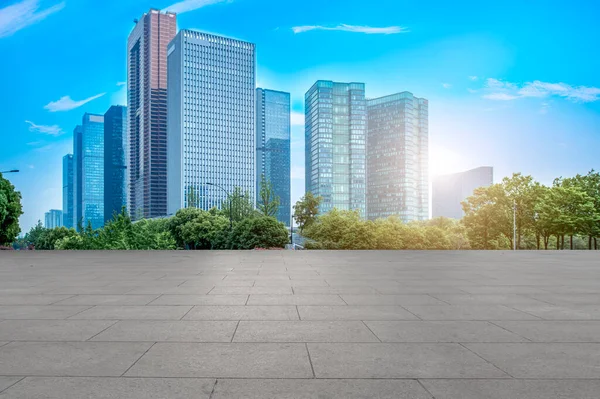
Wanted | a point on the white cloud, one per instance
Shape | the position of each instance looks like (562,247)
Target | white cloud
(191,5)
(53,130)
(67,104)
(23,14)
(473,78)
(446,85)
(297,119)
(390,30)
(121,83)
(544,108)
(501,90)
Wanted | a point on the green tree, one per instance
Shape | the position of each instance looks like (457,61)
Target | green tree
(193,197)
(257,232)
(241,205)
(50,237)
(35,234)
(487,217)
(340,229)
(520,191)
(306,210)
(10,211)
(195,228)
(268,203)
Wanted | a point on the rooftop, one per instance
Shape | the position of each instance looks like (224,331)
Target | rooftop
(299,324)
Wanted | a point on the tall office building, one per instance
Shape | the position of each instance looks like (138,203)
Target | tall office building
(335,138)
(53,219)
(147,107)
(67,191)
(450,190)
(398,157)
(77,177)
(211,108)
(115,165)
(273,146)
(92,170)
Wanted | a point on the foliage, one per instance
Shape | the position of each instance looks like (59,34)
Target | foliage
(268,203)
(35,234)
(241,205)
(254,232)
(196,229)
(10,210)
(306,210)
(49,237)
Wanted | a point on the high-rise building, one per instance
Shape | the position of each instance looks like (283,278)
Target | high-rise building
(77,177)
(398,157)
(273,146)
(450,190)
(211,129)
(92,170)
(67,191)
(335,139)
(115,165)
(147,107)
(53,219)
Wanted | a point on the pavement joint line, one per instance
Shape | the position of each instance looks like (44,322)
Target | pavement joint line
(372,332)
(138,359)
(12,385)
(425,388)
(340,296)
(63,299)
(212,392)
(538,318)
(73,315)
(186,313)
(298,311)
(414,314)
(95,335)
(310,360)
(512,332)
(487,361)
(150,303)
(235,331)
(441,300)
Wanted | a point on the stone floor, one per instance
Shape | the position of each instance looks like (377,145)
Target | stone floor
(303,324)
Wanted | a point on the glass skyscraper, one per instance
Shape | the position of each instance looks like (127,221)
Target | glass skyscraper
(398,157)
(335,139)
(53,219)
(147,120)
(67,191)
(273,146)
(92,170)
(211,119)
(115,166)
(77,177)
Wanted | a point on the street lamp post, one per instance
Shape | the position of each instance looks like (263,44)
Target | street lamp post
(230,203)
(514,225)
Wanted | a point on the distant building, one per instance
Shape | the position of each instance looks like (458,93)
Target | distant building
(67,191)
(450,190)
(335,139)
(273,146)
(53,219)
(77,177)
(147,106)
(398,157)
(211,113)
(115,165)
(92,170)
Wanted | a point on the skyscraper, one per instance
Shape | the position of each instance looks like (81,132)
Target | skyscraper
(211,125)
(273,146)
(450,190)
(77,177)
(335,138)
(115,166)
(92,170)
(398,157)
(67,191)
(53,219)
(147,106)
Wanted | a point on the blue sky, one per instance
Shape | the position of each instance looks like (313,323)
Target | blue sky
(515,86)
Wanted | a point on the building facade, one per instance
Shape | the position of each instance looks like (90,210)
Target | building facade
(92,170)
(67,191)
(147,117)
(335,140)
(450,190)
(398,157)
(273,146)
(211,122)
(115,165)
(53,219)
(77,177)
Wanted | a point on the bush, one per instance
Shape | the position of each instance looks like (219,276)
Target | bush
(49,237)
(196,229)
(254,232)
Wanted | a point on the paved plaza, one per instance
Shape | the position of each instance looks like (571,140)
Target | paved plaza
(300,324)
